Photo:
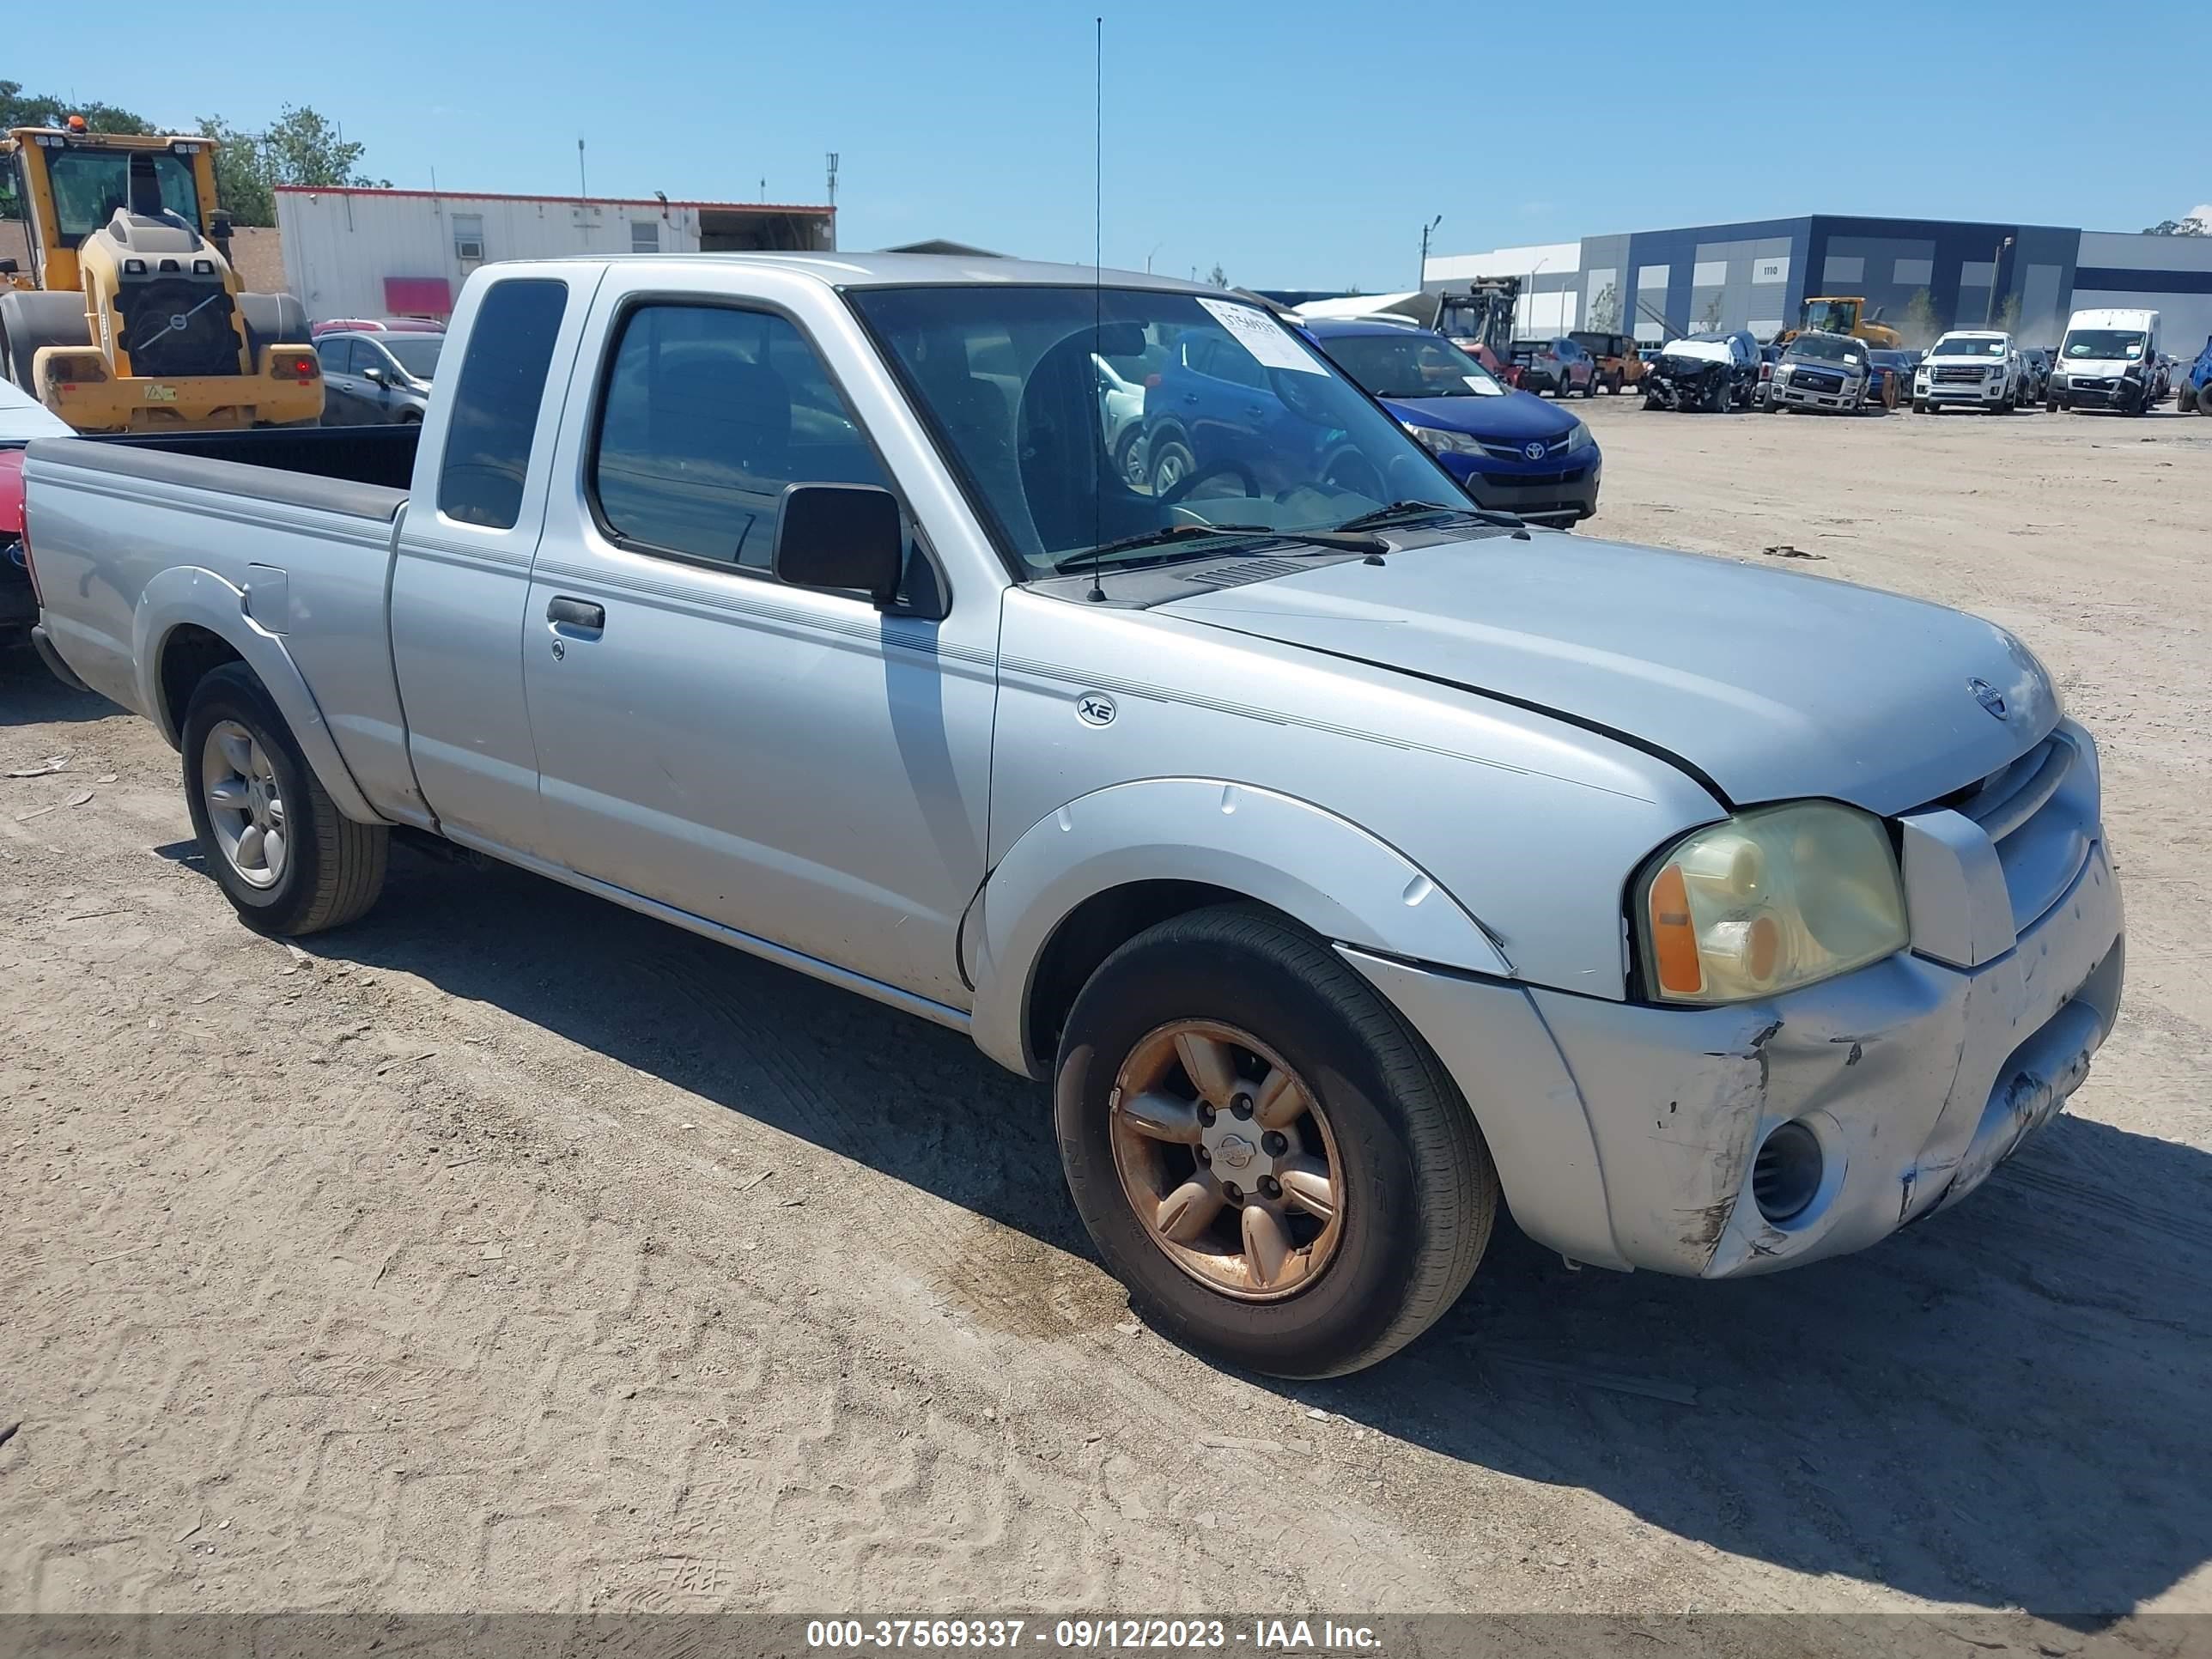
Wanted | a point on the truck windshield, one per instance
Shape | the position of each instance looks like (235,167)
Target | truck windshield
(1411,366)
(1245,428)
(1830,316)
(1826,348)
(90,184)
(2107,344)
(1969,345)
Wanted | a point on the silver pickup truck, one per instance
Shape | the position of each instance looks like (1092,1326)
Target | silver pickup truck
(1344,855)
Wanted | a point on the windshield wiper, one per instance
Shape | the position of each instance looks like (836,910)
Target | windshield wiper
(1400,510)
(1176,532)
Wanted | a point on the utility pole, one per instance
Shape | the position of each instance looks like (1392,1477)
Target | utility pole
(833,181)
(583,188)
(1422,279)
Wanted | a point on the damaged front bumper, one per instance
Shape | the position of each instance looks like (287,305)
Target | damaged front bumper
(1631,1136)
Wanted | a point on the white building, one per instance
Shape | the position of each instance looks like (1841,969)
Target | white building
(351,252)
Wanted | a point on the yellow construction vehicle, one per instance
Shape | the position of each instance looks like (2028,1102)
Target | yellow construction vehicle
(131,317)
(1828,314)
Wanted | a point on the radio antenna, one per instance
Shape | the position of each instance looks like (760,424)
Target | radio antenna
(1097,292)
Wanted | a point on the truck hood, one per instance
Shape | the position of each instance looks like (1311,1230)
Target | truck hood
(1701,351)
(1765,684)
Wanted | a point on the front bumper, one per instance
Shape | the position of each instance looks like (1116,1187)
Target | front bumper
(1797,396)
(1628,1135)
(1553,495)
(1989,392)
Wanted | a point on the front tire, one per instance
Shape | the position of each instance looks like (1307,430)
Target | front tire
(286,858)
(1169,462)
(1220,1050)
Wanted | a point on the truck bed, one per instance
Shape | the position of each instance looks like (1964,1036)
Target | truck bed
(134,536)
(379,456)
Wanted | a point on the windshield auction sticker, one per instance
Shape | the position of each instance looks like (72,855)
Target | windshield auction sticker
(1262,336)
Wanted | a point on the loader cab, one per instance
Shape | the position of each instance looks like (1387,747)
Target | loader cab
(67,184)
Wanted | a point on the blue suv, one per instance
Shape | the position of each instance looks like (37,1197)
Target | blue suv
(1509,450)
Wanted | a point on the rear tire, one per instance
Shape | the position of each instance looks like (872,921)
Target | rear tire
(32,320)
(330,870)
(1412,1186)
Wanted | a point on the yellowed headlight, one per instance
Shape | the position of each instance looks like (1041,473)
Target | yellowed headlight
(1771,900)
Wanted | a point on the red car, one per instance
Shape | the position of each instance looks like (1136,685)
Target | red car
(21,419)
(1560,367)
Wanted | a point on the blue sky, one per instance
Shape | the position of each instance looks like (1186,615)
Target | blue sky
(1295,149)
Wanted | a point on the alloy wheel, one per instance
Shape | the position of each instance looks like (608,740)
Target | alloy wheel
(1226,1156)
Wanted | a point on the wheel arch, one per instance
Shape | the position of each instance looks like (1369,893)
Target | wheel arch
(190,621)
(1099,870)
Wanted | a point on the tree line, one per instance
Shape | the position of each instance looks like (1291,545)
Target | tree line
(300,146)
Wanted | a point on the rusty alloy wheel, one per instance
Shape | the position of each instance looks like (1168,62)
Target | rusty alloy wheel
(1226,1157)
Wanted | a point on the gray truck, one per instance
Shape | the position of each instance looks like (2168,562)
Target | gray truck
(1344,856)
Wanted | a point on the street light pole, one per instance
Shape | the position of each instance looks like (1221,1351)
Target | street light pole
(1996,263)
(1423,280)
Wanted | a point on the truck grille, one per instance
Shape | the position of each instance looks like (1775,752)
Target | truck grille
(1959,376)
(1816,380)
(2033,811)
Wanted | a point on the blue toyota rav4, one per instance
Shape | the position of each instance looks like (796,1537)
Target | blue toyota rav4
(1509,450)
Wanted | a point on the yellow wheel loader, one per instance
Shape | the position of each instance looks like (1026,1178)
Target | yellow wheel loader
(131,317)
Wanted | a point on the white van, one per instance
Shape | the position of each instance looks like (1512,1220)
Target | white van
(2109,360)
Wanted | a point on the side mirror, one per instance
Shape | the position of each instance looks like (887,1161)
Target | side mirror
(840,535)
(374,374)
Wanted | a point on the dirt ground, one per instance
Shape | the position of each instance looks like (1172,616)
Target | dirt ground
(507,1251)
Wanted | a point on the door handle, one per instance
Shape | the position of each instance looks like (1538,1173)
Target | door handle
(576,613)
(1190,397)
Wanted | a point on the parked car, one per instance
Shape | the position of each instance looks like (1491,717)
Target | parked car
(1821,370)
(2192,386)
(1973,368)
(1710,371)
(1560,367)
(1769,356)
(2106,361)
(1619,363)
(1122,408)
(1509,450)
(22,418)
(2036,360)
(1889,378)
(376,325)
(375,380)
(1346,856)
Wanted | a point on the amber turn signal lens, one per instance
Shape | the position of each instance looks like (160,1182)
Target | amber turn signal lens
(1674,935)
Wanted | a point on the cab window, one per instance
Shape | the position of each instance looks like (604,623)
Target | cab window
(709,413)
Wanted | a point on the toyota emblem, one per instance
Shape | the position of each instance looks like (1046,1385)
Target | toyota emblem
(1534,449)
(1989,697)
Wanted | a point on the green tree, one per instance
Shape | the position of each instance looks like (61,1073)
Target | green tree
(2179,227)
(1709,321)
(300,147)
(1218,278)
(1917,323)
(21,109)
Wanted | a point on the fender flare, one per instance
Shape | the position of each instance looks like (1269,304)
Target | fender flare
(1322,869)
(192,594)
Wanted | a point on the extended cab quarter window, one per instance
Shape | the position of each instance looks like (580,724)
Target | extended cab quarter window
(495,411)
(709,412)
